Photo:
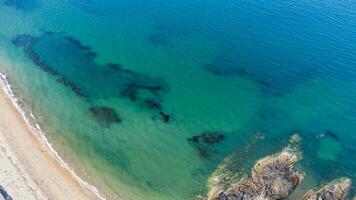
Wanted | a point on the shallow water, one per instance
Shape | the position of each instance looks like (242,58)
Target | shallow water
(122,88)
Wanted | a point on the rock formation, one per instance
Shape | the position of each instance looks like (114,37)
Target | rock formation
(272,177)
(335,190)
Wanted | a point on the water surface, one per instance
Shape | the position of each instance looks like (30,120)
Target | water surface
(145,98)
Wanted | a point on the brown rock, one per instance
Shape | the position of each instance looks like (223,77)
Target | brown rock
(335,190)
(272,177)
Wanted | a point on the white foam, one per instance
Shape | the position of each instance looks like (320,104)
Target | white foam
(36,130)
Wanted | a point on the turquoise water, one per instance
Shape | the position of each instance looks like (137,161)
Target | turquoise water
(145,98)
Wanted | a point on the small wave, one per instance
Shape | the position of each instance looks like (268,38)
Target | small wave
(36,130)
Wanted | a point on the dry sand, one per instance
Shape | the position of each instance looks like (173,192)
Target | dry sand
(28,169)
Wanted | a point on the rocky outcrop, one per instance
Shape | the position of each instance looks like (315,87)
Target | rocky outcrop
(272,177)
(335,190)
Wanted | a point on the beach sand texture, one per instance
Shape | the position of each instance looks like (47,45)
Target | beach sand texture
(28,169)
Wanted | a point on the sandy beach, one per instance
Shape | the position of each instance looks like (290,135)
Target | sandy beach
(29,170)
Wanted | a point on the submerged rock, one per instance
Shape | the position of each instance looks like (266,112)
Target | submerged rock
(335,190)
(234,166)
(272,177)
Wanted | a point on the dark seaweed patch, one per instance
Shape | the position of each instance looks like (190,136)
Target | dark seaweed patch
(26,42)
(73,65)
(78,44)
(22,4)
(159,39)
(72,86)
(114,66)
(105,115)
(204,152)
(204,143)
(165,117)
(132,91)
(332,135)
(208,138)
(152,104)
(270,84)
(278,79)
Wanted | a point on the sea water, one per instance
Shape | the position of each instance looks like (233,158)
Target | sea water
(144,99)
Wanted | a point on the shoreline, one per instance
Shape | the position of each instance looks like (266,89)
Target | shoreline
(33,169)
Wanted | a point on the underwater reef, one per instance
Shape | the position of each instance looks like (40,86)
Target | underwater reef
(271,178)
(73,64)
